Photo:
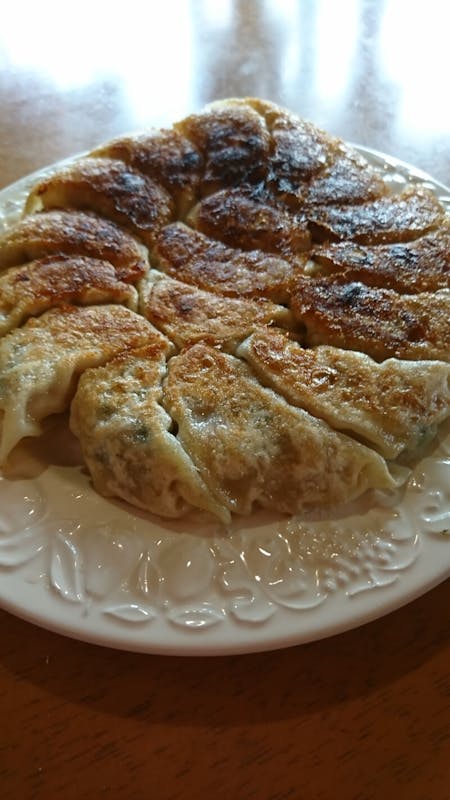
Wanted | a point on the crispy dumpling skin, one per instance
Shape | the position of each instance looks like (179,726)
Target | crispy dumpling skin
(126,441)
(73,233)
(186,314)
(233,140)
(40,363)
(395,218)
(252,448)
(379,322)
(110,188)
(348,179)
(33,288)
(392,406)
(193,258)
(299,150)
(249,221)
(165,156)
(422,265)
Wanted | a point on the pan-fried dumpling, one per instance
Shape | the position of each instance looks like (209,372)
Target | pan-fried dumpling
(166,157)
(186,314)
(395,218)
(248,220)
(234,143)
(422,265)
(29,290)
(110,188)
(40,363)
(193,258)
(348,179)
(393,405)
(73,233)
(252,448)
(379,322)
(126,437)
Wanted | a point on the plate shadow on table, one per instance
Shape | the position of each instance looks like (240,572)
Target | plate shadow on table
(231,690)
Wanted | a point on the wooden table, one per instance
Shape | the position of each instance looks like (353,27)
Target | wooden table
(364,715)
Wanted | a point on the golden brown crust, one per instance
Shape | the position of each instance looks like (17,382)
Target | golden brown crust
(379,322)
(194,258)
(165,156)
(187,314)
(252,448)
(422,265)
(349,179)
(111,189)
(263,189)
(249,222)
(234,142)
(352,392)
(33,288)
(73,233)
(398,218)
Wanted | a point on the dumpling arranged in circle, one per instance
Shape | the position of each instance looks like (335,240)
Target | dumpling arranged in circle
(237,312)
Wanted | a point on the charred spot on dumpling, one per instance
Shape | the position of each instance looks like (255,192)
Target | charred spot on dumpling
(348,179)
(234,142)
(241,219)
(110,188)
(395,218)
(417,266)
(376,321)
(165,156)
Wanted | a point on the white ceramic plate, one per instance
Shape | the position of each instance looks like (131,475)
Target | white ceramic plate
(96,570)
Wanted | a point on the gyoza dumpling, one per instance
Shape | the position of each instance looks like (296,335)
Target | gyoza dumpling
(233,140)
(194,258)
(422,265)
(40,363)
(126,437)
(395,218)
(252,448)
(248,220)
(394,405)
(165,156)
(376,321)
(73,233)
(29,290)
(111,189)
(187,314)
(348,179)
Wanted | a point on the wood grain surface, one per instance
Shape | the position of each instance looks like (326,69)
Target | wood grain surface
(361,716)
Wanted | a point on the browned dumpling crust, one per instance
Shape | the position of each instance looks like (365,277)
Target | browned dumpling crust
(31,289)
(110,188)
(379,322)
(165,156)
(250,222)
(351,391)
(251,447)
(194,258)
(397,218)
(40,363)
(186,314)
(234,142)
(422,265)
(254,315)
(73,233)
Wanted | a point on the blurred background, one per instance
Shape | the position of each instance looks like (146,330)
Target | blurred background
(372,71)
